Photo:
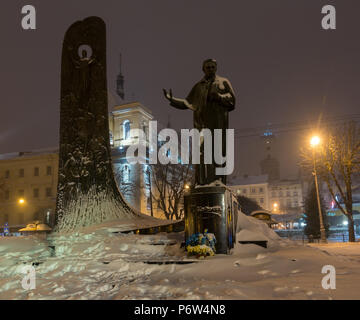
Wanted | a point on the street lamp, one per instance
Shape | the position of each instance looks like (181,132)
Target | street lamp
(21,201)
(275,205)
(314,142)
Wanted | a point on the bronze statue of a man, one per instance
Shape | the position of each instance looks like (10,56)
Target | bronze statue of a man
(211,99)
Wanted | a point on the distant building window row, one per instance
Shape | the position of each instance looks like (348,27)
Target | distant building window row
(285,188)
(36,172)
(36,193)
(252,190)
(280,194)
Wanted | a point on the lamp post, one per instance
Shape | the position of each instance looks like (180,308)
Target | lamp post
(315,141)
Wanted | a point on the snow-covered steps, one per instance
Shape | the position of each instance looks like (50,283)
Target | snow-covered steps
(161,242)
(178,226)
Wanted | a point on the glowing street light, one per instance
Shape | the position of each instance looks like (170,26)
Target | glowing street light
(314,141)
(21,201)
(275,206)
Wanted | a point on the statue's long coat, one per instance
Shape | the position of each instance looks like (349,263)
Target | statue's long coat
(212,101)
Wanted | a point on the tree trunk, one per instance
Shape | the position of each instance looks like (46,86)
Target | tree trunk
(351,227)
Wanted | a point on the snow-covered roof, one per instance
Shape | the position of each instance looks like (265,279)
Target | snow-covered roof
(246,180)
(130,106)
(23,154)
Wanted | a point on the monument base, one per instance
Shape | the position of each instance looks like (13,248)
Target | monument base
(215,208)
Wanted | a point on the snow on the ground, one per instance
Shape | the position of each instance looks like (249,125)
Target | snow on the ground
(100,264)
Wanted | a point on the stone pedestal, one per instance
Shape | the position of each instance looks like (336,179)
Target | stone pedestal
(214,208)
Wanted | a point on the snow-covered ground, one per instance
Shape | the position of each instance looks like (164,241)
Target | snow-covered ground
(101,264)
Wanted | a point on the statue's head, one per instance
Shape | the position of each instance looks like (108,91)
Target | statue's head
(209,67)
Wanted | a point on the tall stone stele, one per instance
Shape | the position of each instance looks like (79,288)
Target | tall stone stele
(87,192)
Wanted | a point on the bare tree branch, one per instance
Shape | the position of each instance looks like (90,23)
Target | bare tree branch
(338,160)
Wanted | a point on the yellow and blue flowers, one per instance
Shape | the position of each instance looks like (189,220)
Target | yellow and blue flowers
(201,244)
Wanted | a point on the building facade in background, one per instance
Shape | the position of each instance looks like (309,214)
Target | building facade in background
(253,187)
(28,180)
(134,180)
(278,197)
(286,196)
(28,186)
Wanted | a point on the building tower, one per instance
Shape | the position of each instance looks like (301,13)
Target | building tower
(120,84)
(270,165)
(125,121)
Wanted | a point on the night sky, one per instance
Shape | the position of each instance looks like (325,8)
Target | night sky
(281,64)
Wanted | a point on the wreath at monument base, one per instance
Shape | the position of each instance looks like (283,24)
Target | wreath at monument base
(201,244)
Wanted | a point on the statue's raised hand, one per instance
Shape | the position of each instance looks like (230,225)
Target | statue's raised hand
(168,95)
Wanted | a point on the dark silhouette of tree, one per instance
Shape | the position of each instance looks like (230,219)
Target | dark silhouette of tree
(168,186)
(248,205)
(312,219)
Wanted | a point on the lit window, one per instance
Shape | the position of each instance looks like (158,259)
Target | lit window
(253,190)
(48,217)
(261,190)
(111,138)
(126,129)
(126,174)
